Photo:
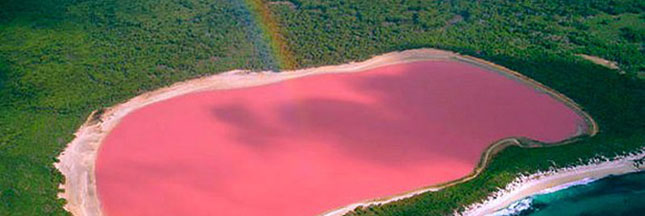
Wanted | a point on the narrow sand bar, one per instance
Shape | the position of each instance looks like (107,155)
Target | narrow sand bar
(408,120)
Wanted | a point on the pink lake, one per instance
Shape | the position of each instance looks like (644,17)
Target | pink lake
(312,144)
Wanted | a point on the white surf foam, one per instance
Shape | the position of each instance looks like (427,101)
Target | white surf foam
(514,208)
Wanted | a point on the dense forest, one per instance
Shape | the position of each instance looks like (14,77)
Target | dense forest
(62,59)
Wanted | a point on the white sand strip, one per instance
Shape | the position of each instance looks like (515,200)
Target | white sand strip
(529,185)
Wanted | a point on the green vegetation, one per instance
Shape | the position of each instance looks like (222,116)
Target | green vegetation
(61,59)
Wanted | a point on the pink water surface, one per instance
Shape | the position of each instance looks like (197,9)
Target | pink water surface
(305,146)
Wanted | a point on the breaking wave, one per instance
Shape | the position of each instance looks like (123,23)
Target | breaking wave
(525,204)
(515,208)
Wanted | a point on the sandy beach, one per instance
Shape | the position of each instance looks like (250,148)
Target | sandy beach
(526,186)
(77,162)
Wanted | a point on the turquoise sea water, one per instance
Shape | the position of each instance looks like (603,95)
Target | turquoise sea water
(614,195)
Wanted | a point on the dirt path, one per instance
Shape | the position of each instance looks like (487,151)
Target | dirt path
(76,163)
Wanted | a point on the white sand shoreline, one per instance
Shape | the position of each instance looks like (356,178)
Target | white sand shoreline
(553,180)
(76,162)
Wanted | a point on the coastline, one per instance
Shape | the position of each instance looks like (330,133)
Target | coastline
(77,161)
(556,179)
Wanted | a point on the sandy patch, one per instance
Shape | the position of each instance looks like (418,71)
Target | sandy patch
(600,61)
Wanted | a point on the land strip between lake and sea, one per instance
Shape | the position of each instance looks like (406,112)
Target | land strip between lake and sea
(77,162)
(552,180)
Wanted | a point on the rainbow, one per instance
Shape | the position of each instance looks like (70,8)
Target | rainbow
(271,34)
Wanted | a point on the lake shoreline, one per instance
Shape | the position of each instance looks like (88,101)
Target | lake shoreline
(77,162)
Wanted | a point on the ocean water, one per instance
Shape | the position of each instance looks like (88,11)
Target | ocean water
(614,195)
